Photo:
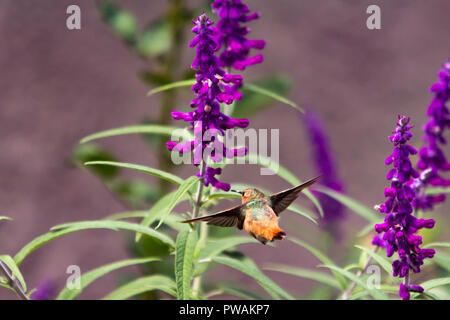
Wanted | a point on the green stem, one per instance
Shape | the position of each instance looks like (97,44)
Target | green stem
(203,227)
(198,199)
(12,282)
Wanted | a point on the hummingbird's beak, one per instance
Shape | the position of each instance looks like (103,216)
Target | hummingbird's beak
(236,191)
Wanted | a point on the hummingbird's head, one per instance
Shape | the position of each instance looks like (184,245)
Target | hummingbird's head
(249,194)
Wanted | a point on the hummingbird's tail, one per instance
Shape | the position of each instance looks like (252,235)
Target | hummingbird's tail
(279,235)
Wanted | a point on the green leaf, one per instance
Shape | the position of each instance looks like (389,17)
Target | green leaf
(154,172)
(5,218)
(92,152)
(250,269)
(442,260)
(68,228)
(136,193)
(366,230)
(428,295)
(323,258)
(117,225)
(295,209)
(155,212)
(305,273)
(142,285)
(253,102)
(285,174)
(434,283)
(159,209)
(438,244)
(382,261)
(374,293)
(353,266)
(127,215)
(260,90)
(174,221)
(171,221)
(155,40)
(177,197)
(359,292)
(173,85)
(215,247)
(11,264)
(247,86)
(140,129)
(238,292)
(223,195)
(89,277)
(184,260)
(352,204)
(120,21)
(4,284)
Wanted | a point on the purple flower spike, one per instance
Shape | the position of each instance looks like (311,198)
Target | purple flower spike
(400,226)
(213,86)
(326,166)
(432,159)
(231,35)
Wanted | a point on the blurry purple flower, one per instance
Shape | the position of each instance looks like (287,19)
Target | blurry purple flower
(400,226)
(404,292)
(210,179)
(44,291)
(231,35)
(378,241)
(326,166)
(213,86)
(432,159)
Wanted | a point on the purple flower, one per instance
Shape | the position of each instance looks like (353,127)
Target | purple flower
(213,86)
(432,159)
(210,179)
(326,166)
(44,291)
(231,35)
(400,226)
(378,241)
(404,292)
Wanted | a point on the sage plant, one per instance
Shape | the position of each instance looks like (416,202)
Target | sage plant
(175,256)
(213,86)
(432,160)
(400,226)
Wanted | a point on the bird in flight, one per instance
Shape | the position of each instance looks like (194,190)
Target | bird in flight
(258,213)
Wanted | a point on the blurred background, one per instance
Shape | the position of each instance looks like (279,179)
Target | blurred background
(59,85)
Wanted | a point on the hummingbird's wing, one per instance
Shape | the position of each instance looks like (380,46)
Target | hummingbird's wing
(283,199)
(228,218)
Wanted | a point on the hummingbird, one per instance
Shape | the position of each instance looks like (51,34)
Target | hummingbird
(258,213)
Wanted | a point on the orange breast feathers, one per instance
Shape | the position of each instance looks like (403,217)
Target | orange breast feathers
(265,229)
